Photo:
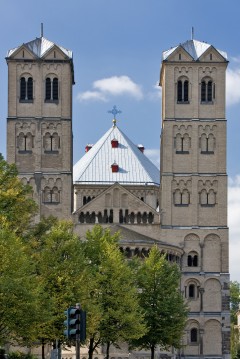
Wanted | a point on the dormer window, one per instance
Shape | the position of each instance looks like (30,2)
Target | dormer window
(114,143)
(115,167)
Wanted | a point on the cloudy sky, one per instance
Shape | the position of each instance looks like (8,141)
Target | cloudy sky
(117,47)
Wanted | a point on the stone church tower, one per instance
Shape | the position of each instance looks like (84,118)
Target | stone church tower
(39,124)
(193,193)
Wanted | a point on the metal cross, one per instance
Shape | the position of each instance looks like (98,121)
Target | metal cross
(114,111)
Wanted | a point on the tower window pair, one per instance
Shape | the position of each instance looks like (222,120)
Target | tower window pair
(26,89)
(207,91)
(51,89)
(183,91)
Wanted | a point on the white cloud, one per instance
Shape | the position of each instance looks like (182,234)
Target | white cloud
(233,86)
(156,94)
(234,226)
(112,86)
(91,95)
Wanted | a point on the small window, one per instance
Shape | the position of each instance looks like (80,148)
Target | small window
(182,143)
(207,143)
(194,335)
(191,291)
(181,198)
(207,198)
(192,260)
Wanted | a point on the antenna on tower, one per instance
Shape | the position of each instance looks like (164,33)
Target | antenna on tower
(192,33)
(41,29)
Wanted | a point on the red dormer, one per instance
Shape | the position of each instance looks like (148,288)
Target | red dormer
(114,143)
(114,167)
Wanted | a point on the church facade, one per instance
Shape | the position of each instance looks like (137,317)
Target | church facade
(182,208)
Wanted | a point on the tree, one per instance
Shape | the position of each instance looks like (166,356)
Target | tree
(234,307)
(113,295)
(16,206)
(20,294)
(56,252)
(162,302)
(234,300)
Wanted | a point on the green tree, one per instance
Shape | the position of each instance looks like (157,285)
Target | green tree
(234,300)
(113,301)
(58,258)
(20,294)
(162,302)
(16,205)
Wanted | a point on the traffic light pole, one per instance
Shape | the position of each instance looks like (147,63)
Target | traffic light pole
(78,306)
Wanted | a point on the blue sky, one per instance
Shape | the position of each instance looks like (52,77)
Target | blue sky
(117,47)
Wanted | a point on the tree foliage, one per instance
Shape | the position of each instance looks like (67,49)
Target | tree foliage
(16,205)
(119,316)
(234,300)
(20,295)
(163,305)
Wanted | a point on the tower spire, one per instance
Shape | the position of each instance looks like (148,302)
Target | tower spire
(192,33)
(41,29)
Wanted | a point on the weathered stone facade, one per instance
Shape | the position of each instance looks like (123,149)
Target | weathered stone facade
(186,215)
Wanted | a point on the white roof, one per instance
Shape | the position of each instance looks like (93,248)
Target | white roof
(134,167)
(194,48)
(40,46)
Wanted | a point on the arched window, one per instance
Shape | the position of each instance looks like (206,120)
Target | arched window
(207,198)
(51,142)
(207,90)
(191,291)
(51,195)
(192,260)
(182,143)
(181,198)
(25,142)
(51,89)
(194,335)
(26,89)
(207,143)
(183,91)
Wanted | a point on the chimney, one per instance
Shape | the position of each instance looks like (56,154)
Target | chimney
(88,147)
(114,143)
(141,148)
(114,167)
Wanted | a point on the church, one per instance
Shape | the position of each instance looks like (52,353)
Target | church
(182,208)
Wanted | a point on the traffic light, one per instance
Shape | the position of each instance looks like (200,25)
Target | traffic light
(83,316)
(72,323)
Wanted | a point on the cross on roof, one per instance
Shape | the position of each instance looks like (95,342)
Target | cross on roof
(114,111)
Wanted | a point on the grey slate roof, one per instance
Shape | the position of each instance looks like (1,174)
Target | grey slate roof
(195,49)
(134,167)
(40,46)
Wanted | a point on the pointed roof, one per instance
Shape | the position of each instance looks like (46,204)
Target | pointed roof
(133,166)
(39,47)
(194,48)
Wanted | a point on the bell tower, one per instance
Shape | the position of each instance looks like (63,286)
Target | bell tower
(39,123)
(193,189)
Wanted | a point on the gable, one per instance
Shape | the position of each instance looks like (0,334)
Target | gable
(212,55)
(116,205)
(22,53)
(54,53)
(179,54)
